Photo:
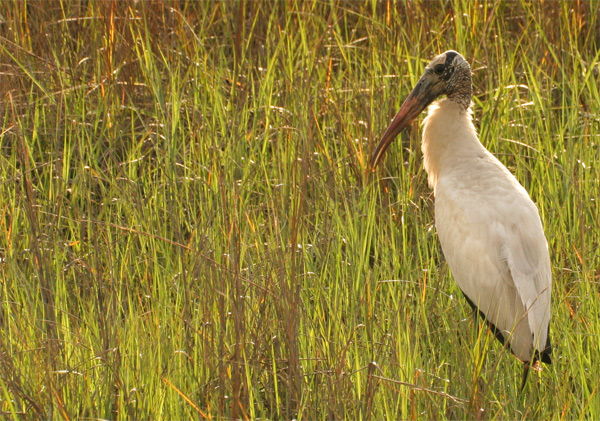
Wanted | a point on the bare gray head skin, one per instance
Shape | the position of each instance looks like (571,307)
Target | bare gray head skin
(448,74)
(454,74)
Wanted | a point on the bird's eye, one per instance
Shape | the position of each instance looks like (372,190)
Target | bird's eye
(439,69)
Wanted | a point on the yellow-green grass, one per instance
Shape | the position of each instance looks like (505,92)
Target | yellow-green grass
(188,227)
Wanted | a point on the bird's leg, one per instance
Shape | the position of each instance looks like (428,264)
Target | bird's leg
(474,312)
(474,315)
(525,373)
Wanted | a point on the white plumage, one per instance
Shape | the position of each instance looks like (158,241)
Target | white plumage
(490,230)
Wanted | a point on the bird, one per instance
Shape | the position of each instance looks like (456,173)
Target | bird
(489,229)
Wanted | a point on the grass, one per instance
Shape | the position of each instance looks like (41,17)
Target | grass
(188,228)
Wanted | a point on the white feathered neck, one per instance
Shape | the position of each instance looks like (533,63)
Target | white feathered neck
(449,139)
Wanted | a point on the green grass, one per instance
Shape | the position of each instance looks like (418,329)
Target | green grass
(188,227)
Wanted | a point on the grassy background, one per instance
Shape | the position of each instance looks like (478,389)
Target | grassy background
(187,227)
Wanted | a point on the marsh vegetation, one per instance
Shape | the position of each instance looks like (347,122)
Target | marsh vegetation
(188,227)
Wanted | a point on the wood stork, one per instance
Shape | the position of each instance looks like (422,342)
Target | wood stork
(490,230)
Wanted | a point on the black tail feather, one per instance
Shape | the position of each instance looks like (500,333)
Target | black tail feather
(544,356)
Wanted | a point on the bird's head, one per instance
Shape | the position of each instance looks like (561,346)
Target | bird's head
(447,74)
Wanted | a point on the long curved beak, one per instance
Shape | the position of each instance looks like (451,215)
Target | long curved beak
(421,96)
